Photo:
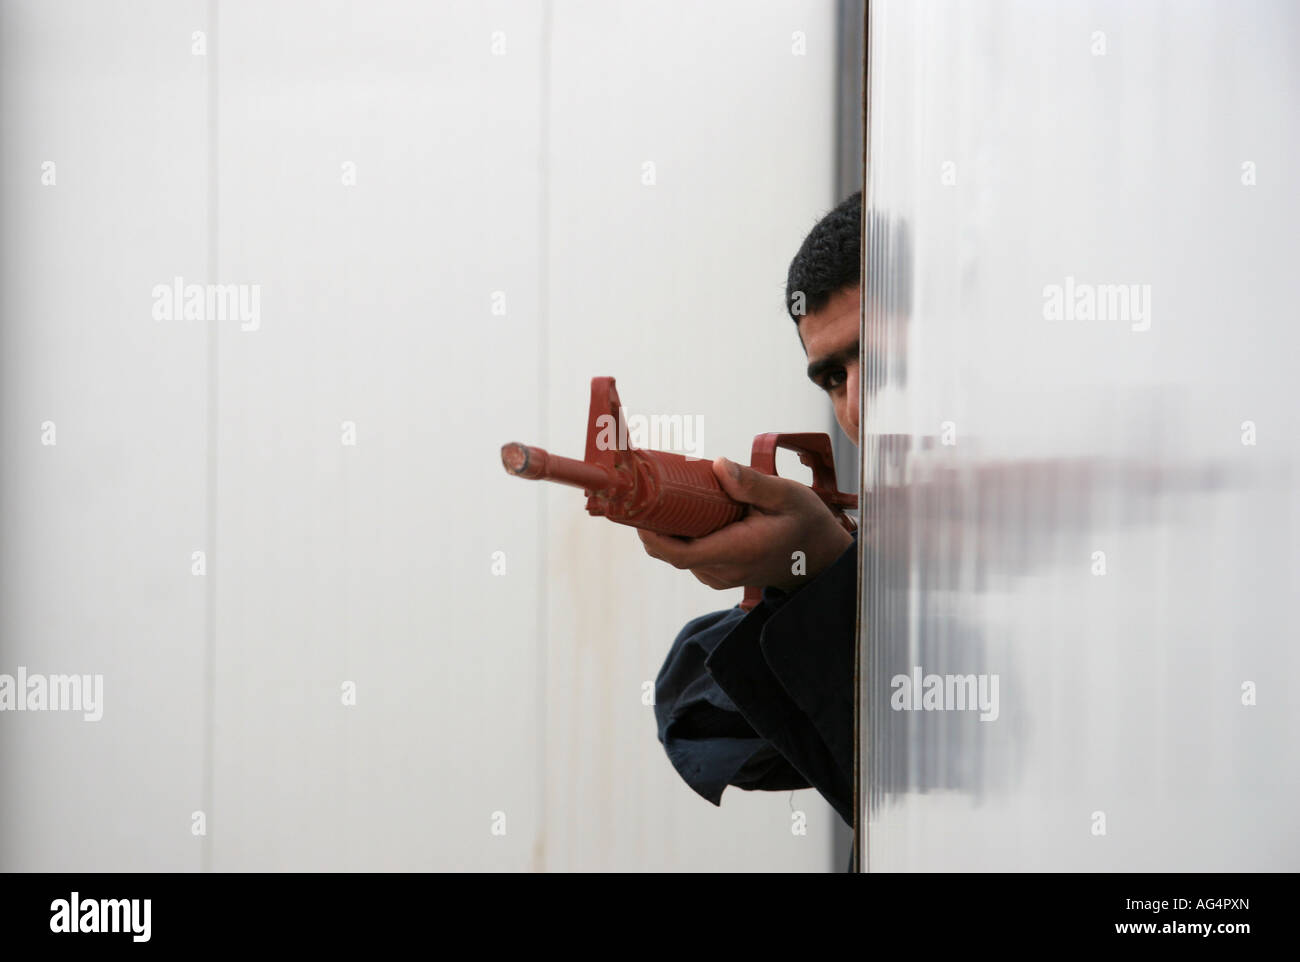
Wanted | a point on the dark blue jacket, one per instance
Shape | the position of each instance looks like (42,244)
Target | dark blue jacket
(764,699)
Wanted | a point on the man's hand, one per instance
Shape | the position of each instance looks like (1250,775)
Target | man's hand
(784,517)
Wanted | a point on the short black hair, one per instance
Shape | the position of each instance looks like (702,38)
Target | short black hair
(829,261)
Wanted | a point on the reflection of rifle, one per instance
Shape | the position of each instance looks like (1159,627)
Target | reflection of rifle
(664,492)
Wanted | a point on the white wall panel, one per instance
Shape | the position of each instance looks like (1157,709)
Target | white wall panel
(371,563)
(676,290)
(1102,533)
(497,149)
(99,527)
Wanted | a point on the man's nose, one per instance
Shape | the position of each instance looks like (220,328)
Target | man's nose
(853,391)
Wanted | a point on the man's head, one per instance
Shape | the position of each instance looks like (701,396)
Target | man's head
(824,297)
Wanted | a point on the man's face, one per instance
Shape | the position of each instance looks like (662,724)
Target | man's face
(830,339)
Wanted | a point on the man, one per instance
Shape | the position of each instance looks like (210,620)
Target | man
(764,699)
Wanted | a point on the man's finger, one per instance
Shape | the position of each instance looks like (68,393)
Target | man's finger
(663,547)
(749,486)
(718,576)
(720,547)
(710,582)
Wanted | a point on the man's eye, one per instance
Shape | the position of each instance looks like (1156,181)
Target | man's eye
(833,379)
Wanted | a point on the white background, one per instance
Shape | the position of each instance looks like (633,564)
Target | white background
(475,173)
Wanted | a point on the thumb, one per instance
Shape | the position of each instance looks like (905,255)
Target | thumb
(749,486)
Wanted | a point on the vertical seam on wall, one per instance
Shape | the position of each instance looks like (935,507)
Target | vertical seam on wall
(210,614)
(862,661)
(850,171)
(543,394)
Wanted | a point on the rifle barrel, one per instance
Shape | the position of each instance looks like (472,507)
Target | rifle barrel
(526,461)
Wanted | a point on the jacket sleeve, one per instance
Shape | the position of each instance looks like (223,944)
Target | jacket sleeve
(707,738)
(764,699)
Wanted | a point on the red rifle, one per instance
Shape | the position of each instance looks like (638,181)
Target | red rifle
(665,492)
